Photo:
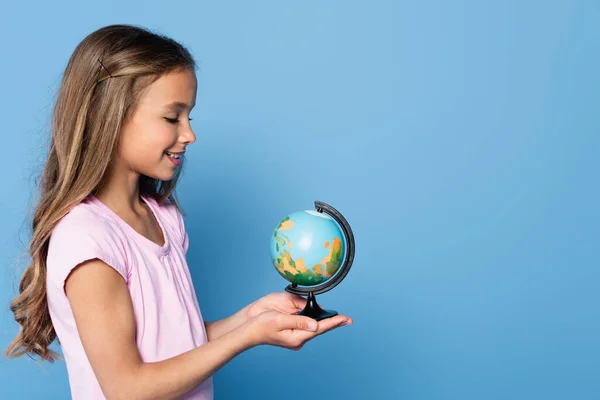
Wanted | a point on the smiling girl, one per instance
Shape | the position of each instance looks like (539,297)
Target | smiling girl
(108,274)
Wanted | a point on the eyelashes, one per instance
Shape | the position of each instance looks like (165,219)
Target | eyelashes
(175,120)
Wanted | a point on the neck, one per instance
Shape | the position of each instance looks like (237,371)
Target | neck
(121,191)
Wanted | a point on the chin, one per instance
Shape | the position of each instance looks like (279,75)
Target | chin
(162,175)
(167,177)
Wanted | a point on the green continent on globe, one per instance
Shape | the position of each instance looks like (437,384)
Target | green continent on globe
(295,270)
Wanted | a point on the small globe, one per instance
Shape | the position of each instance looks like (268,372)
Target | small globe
(307,248)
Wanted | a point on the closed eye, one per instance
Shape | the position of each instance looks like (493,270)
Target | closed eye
(175,120)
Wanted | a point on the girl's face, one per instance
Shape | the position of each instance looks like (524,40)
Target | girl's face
(153,141)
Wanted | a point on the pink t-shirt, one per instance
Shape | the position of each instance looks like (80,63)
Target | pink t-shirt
(167,316)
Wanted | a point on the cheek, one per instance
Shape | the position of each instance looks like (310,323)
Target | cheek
(145,145)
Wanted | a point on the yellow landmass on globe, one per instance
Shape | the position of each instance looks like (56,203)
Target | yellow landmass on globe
(297,271)
(281,240)
(286,225)
(294,267)
(291,266)
(332,260)
(285,264)
(300,265)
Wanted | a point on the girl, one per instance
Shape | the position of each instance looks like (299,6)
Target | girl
(108,274)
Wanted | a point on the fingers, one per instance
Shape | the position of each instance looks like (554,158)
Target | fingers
(285,321)
(328,324)
(299,301)
(325,325)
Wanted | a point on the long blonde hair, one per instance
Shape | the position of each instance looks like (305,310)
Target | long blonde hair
(100,86)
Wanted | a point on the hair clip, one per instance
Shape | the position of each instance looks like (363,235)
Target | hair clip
(107,71)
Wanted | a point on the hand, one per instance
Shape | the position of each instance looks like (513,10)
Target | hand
(289,331)
(283,302)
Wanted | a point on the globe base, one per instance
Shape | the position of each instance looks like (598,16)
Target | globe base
(314,311)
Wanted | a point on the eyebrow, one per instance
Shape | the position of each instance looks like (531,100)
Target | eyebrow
(177,104)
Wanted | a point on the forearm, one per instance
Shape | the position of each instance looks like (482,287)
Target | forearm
(178,375)
(216,329)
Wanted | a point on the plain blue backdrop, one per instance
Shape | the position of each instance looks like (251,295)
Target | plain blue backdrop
(460,140)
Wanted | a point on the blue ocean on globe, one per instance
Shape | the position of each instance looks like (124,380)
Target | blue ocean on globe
(307,247)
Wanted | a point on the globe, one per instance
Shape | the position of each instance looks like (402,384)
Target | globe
(313,250)
(307,247)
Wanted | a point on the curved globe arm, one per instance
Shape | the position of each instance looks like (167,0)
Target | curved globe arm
(349,236)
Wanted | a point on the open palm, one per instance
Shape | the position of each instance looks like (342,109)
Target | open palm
(283,302)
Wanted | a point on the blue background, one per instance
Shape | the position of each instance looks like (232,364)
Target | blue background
(460,140)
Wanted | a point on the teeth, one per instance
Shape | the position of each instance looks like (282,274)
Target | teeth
(172,155)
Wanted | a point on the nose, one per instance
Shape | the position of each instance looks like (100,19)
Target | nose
(188,136)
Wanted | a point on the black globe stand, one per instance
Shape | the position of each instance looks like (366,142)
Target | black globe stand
(315,311)
(312,308)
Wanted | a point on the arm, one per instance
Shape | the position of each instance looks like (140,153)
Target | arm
(216,329)
(105,321)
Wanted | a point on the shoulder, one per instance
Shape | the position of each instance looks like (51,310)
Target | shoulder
(85,233)
(84,219)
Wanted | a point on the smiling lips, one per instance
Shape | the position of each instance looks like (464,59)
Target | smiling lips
(175,157)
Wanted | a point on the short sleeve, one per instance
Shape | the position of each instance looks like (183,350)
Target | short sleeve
(76,239)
